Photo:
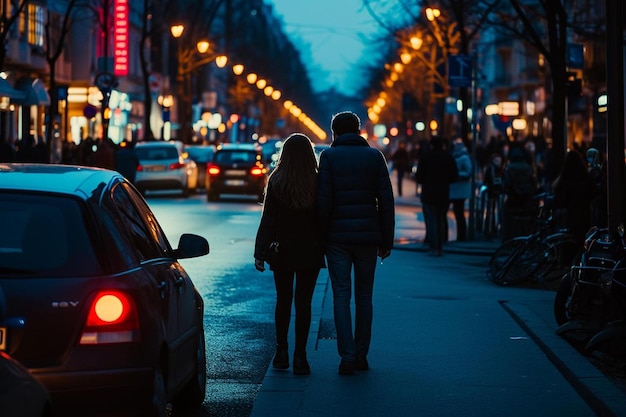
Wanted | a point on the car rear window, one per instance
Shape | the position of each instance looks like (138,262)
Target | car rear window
(235,156)
(200,154)
(43,235)
(156,153)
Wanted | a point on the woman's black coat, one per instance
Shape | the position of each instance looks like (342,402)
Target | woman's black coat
(297,233)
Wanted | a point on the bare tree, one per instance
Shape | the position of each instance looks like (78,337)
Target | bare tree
(56,29)
(6,24)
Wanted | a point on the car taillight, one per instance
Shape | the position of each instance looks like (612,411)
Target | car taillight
(258,171)
(112,318)
(139,167)
(213,170)
(177,165)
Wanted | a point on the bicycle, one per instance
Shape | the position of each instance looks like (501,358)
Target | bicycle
(543,256)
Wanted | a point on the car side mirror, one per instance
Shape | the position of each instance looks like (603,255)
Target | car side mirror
(191,246)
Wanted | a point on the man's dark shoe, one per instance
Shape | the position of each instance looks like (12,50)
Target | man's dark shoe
(281,358)
(361,363)
(300,364)
(346,368)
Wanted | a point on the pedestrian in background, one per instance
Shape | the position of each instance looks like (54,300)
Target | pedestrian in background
(598,177)
(461,188)
(126,160)
(436,170)
(520,186)
(357,218)
(572,195)
(288,225)
(401,163)
(493,181)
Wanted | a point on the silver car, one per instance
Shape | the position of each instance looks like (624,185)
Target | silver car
(162,166)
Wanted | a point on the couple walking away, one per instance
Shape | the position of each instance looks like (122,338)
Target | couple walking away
(342,210)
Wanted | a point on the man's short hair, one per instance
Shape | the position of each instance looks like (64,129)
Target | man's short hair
(345,122)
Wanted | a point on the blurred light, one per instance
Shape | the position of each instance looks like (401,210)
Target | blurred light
(405,57)
(420,126)
(491,109)
(251,78)
(398,67)
(177,30)
(508,108)
(268,90)
(276,94)
(416,42)
(287,104)
(380,130)
(203,46)
(238,69)
(381,102)
(519,124)
(432,13)
(221,61)
(393,131)
(261,83)
(234,118)
(530,108)
(434,124)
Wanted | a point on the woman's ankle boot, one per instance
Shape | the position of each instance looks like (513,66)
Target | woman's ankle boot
(281,358)
(300,364)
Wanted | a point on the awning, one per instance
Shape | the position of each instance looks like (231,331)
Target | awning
(7,91)
(34,91)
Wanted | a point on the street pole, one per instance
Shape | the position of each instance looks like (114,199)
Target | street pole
(615,113)
(472,202)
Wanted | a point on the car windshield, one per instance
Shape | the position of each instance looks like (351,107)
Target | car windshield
(235,156)
(43,236)
(156,153)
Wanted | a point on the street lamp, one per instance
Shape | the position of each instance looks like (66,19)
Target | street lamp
(188,62)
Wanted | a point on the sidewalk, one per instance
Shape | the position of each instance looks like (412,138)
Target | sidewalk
(445,342)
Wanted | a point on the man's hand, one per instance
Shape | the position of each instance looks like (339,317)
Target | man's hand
(259,264)
(383,253)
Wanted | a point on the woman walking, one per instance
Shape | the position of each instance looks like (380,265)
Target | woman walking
(288,240)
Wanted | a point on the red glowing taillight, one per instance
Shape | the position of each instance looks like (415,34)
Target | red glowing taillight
(213,170)
(112,318)
(258,171)
(139,167)
(176,165)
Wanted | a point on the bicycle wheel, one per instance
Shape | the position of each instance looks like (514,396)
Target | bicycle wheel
(501,255)
(564,251)
(525,267)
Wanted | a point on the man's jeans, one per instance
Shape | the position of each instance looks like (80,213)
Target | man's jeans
(341,258)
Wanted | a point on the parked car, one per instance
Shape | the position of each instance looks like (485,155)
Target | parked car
(202,155)
(162,166)
(98,307)
(236,169)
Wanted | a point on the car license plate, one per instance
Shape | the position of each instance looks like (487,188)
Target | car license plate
(155,168)
(3,338)
(235,183)
(235,172)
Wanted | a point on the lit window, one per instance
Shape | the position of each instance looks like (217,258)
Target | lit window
(35,24)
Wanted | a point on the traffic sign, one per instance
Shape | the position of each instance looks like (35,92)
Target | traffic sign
(460,71)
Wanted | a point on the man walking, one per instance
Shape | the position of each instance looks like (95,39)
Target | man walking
(357,216)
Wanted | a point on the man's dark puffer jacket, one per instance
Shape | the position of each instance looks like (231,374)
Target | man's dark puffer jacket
(354,198)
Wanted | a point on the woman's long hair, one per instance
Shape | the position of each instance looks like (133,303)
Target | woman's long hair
(294,180)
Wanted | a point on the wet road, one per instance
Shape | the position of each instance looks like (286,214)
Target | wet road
(239,300)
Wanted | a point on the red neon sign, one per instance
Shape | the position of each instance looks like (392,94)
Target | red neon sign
(120,37)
